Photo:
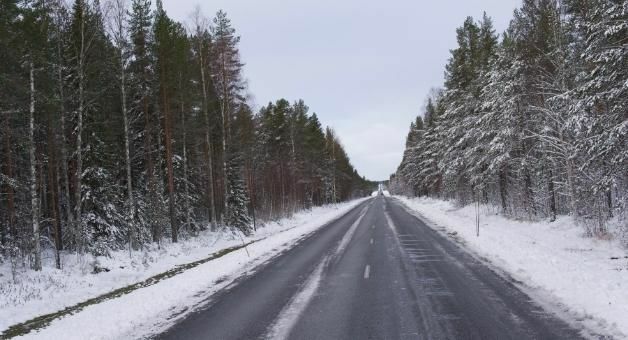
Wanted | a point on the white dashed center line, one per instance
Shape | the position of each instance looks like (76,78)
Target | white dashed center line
(367,271)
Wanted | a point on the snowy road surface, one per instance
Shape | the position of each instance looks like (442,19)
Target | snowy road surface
(376,273)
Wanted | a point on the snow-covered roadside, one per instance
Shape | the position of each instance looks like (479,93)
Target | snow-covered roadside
(586,278)
(52,290)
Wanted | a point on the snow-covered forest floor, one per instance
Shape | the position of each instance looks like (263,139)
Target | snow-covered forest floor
(26,294)
(584,279)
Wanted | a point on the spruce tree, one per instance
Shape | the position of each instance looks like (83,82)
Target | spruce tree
(227,78)
(141,74)
(103,125)
(237,197)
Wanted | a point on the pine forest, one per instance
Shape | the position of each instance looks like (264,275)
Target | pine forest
(123,128)
(533,121)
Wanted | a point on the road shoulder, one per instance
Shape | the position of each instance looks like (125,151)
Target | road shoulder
(153,304)
(552,263)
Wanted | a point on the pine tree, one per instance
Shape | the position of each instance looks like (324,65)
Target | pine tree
(534,124)
(227,79)
(600,116)
(165,36)
(78,50)
(108,119)
(141,75)
(202,49)
(500,103)
(119,34)
(314,141)
(9,103)
(297,128)
(226,75)
(34,39)
(60,64)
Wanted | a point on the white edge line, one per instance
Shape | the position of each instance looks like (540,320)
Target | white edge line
(349,235)
(289,315)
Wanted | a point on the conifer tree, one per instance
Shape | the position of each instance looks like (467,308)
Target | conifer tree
(534,124)
(141,74)
(166,32)
(237,197)
(109,116)
(202,50)
(227,79)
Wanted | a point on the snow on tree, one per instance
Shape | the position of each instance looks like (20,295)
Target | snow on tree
(114,117)
(534,123)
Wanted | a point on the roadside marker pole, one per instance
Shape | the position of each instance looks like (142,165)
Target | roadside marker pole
(477,216)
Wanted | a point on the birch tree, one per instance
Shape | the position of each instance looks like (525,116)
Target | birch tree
(202,47)
(33,168)
(107,115)
(119,32)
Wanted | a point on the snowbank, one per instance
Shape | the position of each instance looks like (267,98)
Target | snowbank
(51,290)
(585,278)
(383,192)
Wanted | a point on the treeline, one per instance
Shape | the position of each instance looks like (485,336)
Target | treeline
(122,127)
(536,122)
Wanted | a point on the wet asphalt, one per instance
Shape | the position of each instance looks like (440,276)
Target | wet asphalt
(377,272)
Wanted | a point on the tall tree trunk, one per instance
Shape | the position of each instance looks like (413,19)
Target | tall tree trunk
(159,227)
(79,143)
(33,172)
(210,166)
(552,196)
(150,167)
(609,201)
(64,148)
(333,173)
(169,168)
(572,188)
(503,190)
(55,216)
(127,155)
(253,187)
(186,189)
(527,185)
(282,191)
(224,107)
(527,182)
(119,15)
(293,154)
(53,177)
(573,206)
(10,230)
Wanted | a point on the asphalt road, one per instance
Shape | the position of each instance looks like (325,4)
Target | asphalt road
(377,272)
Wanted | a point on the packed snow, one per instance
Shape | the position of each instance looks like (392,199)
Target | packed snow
(583,279)
(36,293)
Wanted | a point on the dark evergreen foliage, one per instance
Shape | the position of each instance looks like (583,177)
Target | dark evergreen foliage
(536,123)
(142,133)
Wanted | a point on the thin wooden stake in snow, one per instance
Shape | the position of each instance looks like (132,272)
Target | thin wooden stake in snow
(477,216)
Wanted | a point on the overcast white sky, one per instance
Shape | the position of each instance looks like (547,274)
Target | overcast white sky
(365,67)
